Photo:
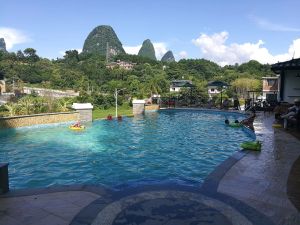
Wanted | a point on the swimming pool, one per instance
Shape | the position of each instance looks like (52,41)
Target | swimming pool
(181,146)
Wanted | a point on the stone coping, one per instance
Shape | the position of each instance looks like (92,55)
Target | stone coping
(208,110)
(35,115)
(3,164)
(96,189)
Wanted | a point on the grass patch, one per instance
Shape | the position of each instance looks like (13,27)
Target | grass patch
(123,110)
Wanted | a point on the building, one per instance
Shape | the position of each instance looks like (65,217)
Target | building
(288,80)
(270,88)
(176,85)
(215,87)
(121,64)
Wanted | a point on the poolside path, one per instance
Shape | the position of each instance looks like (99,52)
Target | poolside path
(248,188)
(260,179)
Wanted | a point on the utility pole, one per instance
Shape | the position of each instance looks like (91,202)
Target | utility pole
(116,97)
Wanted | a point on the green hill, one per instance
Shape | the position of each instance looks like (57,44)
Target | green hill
(2,45)
(100,38)
(147,50)
(168,57)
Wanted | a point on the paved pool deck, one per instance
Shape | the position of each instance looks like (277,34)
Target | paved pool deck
(248,188)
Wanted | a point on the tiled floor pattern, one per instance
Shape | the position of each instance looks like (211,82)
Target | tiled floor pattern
(168,207)
(260,178)
(54,208)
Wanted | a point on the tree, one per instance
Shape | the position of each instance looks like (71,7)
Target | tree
(31,55)
(243,85)
(26,105)
(63,104)
(20,55)
(11,108)
(71,57)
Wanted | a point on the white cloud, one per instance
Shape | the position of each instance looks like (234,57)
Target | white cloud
(13,37)
(133,50)
(267,25)
(159,47)
(215,49)
(183,54)
(63,52)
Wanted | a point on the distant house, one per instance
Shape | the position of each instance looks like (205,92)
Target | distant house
(288,80)
(121,64)
(270,88)
(215,87)
(176,85)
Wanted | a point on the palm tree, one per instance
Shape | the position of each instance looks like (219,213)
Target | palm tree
(62,105)
(153,86)
(26,105)
(11,108)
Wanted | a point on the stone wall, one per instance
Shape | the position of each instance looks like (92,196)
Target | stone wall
(85,114)
(2,86)
(50,92)
(138,106)
(22,121)
(152,107)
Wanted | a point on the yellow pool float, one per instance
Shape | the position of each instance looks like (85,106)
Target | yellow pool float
(72,127)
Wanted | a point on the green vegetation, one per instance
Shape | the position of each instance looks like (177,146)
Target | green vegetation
(88,74)
(101,39)
(2,45)
(124,110)
(147,50)
(32,104)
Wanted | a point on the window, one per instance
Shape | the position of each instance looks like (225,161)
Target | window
(271,82)
(212,90)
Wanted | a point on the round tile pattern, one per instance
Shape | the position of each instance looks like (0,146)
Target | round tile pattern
(169,207)
(170,211)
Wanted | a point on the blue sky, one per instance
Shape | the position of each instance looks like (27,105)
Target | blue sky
(226,32)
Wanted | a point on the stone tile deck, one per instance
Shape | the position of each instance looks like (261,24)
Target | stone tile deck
(260,179)
(53,208)
(248,188)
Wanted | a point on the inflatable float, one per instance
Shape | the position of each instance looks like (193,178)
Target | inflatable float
(251,145)
(235,125)
(73,127)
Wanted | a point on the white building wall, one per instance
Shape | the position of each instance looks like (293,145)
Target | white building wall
(213,90)
(174,89)
(291,86)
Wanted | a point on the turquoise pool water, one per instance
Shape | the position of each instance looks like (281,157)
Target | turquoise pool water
(169,146)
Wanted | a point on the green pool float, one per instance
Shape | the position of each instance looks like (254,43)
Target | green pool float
(235,125)
(251,145)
